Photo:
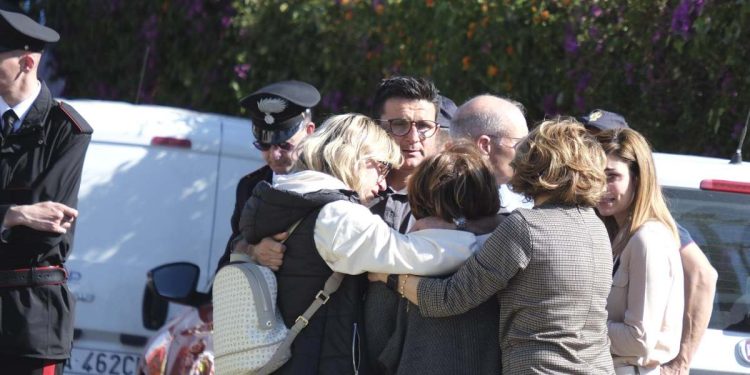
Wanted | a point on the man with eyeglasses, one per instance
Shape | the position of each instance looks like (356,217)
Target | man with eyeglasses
(495,125)
(399,340)
(282,117)
(407,108)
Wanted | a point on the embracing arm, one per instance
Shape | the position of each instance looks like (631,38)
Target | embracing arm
(505,253)
(352,240)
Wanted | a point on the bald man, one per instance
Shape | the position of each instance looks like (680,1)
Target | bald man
(495,125)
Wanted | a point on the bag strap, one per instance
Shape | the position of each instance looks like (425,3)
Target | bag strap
(331,285)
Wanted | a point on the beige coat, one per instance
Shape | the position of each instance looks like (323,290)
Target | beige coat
(645,304)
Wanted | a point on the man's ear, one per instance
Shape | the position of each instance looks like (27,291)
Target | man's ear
(27,63)
(484,143)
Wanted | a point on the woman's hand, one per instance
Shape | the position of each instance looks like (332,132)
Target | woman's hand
(377,277)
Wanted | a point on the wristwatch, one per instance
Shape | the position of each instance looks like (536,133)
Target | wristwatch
(460,223)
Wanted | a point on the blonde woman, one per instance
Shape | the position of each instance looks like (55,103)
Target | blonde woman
(646,302)
(549,267)
(341,164)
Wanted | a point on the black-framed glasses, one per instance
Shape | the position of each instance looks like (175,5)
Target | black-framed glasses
(401,127)
(262,146)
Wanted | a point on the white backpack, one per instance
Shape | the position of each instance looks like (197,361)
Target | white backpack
(248,328)
(249,334)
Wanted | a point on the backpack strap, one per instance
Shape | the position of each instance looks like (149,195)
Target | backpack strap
(331,285)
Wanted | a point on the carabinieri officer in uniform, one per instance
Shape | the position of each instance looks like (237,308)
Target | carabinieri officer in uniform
(282,118)
(42,147)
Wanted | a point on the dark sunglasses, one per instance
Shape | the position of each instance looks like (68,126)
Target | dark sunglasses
(401,127)
(262,146)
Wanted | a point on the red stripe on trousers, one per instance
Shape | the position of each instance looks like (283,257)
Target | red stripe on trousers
(49,369)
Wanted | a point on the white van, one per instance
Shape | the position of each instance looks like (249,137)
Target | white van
(158,186)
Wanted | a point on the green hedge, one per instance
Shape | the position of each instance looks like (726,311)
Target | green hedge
(678,70)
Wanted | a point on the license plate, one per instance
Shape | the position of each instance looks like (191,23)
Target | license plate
(90,361)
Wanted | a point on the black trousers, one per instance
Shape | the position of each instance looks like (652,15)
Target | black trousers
(30,366)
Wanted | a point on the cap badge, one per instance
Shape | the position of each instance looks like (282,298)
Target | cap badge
(269,106)
(595,115)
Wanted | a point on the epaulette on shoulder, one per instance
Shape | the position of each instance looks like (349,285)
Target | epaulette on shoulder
(80,125)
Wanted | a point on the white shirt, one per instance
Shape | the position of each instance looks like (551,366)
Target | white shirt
(22,108)
(352,240)
(510,200)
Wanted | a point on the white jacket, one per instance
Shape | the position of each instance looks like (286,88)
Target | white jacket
(352,240)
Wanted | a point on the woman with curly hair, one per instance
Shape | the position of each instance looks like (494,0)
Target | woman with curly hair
(549,267)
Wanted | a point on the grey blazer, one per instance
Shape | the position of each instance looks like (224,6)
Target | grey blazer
(551,270)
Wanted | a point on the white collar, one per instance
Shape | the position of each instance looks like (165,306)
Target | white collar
(308,181)
(22,108)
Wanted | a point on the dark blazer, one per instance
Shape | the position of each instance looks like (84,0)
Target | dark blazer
(244,191)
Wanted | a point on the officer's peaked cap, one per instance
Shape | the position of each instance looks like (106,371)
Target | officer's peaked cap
(278,109)
(19,32)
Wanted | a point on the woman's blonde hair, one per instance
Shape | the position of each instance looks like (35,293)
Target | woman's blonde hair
(454,183)
(341,146)
(648,201)
(561,161)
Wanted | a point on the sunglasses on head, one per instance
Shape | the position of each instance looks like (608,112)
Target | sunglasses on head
(262,146)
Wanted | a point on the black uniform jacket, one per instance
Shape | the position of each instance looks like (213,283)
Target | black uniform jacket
(41,161)
(244,191)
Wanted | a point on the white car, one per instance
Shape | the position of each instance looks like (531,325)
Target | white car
(158,186)
(711,198)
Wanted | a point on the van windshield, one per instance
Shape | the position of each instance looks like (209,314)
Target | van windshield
(720,224)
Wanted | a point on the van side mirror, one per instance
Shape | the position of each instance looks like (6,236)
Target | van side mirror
(173,282)
(176,282)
